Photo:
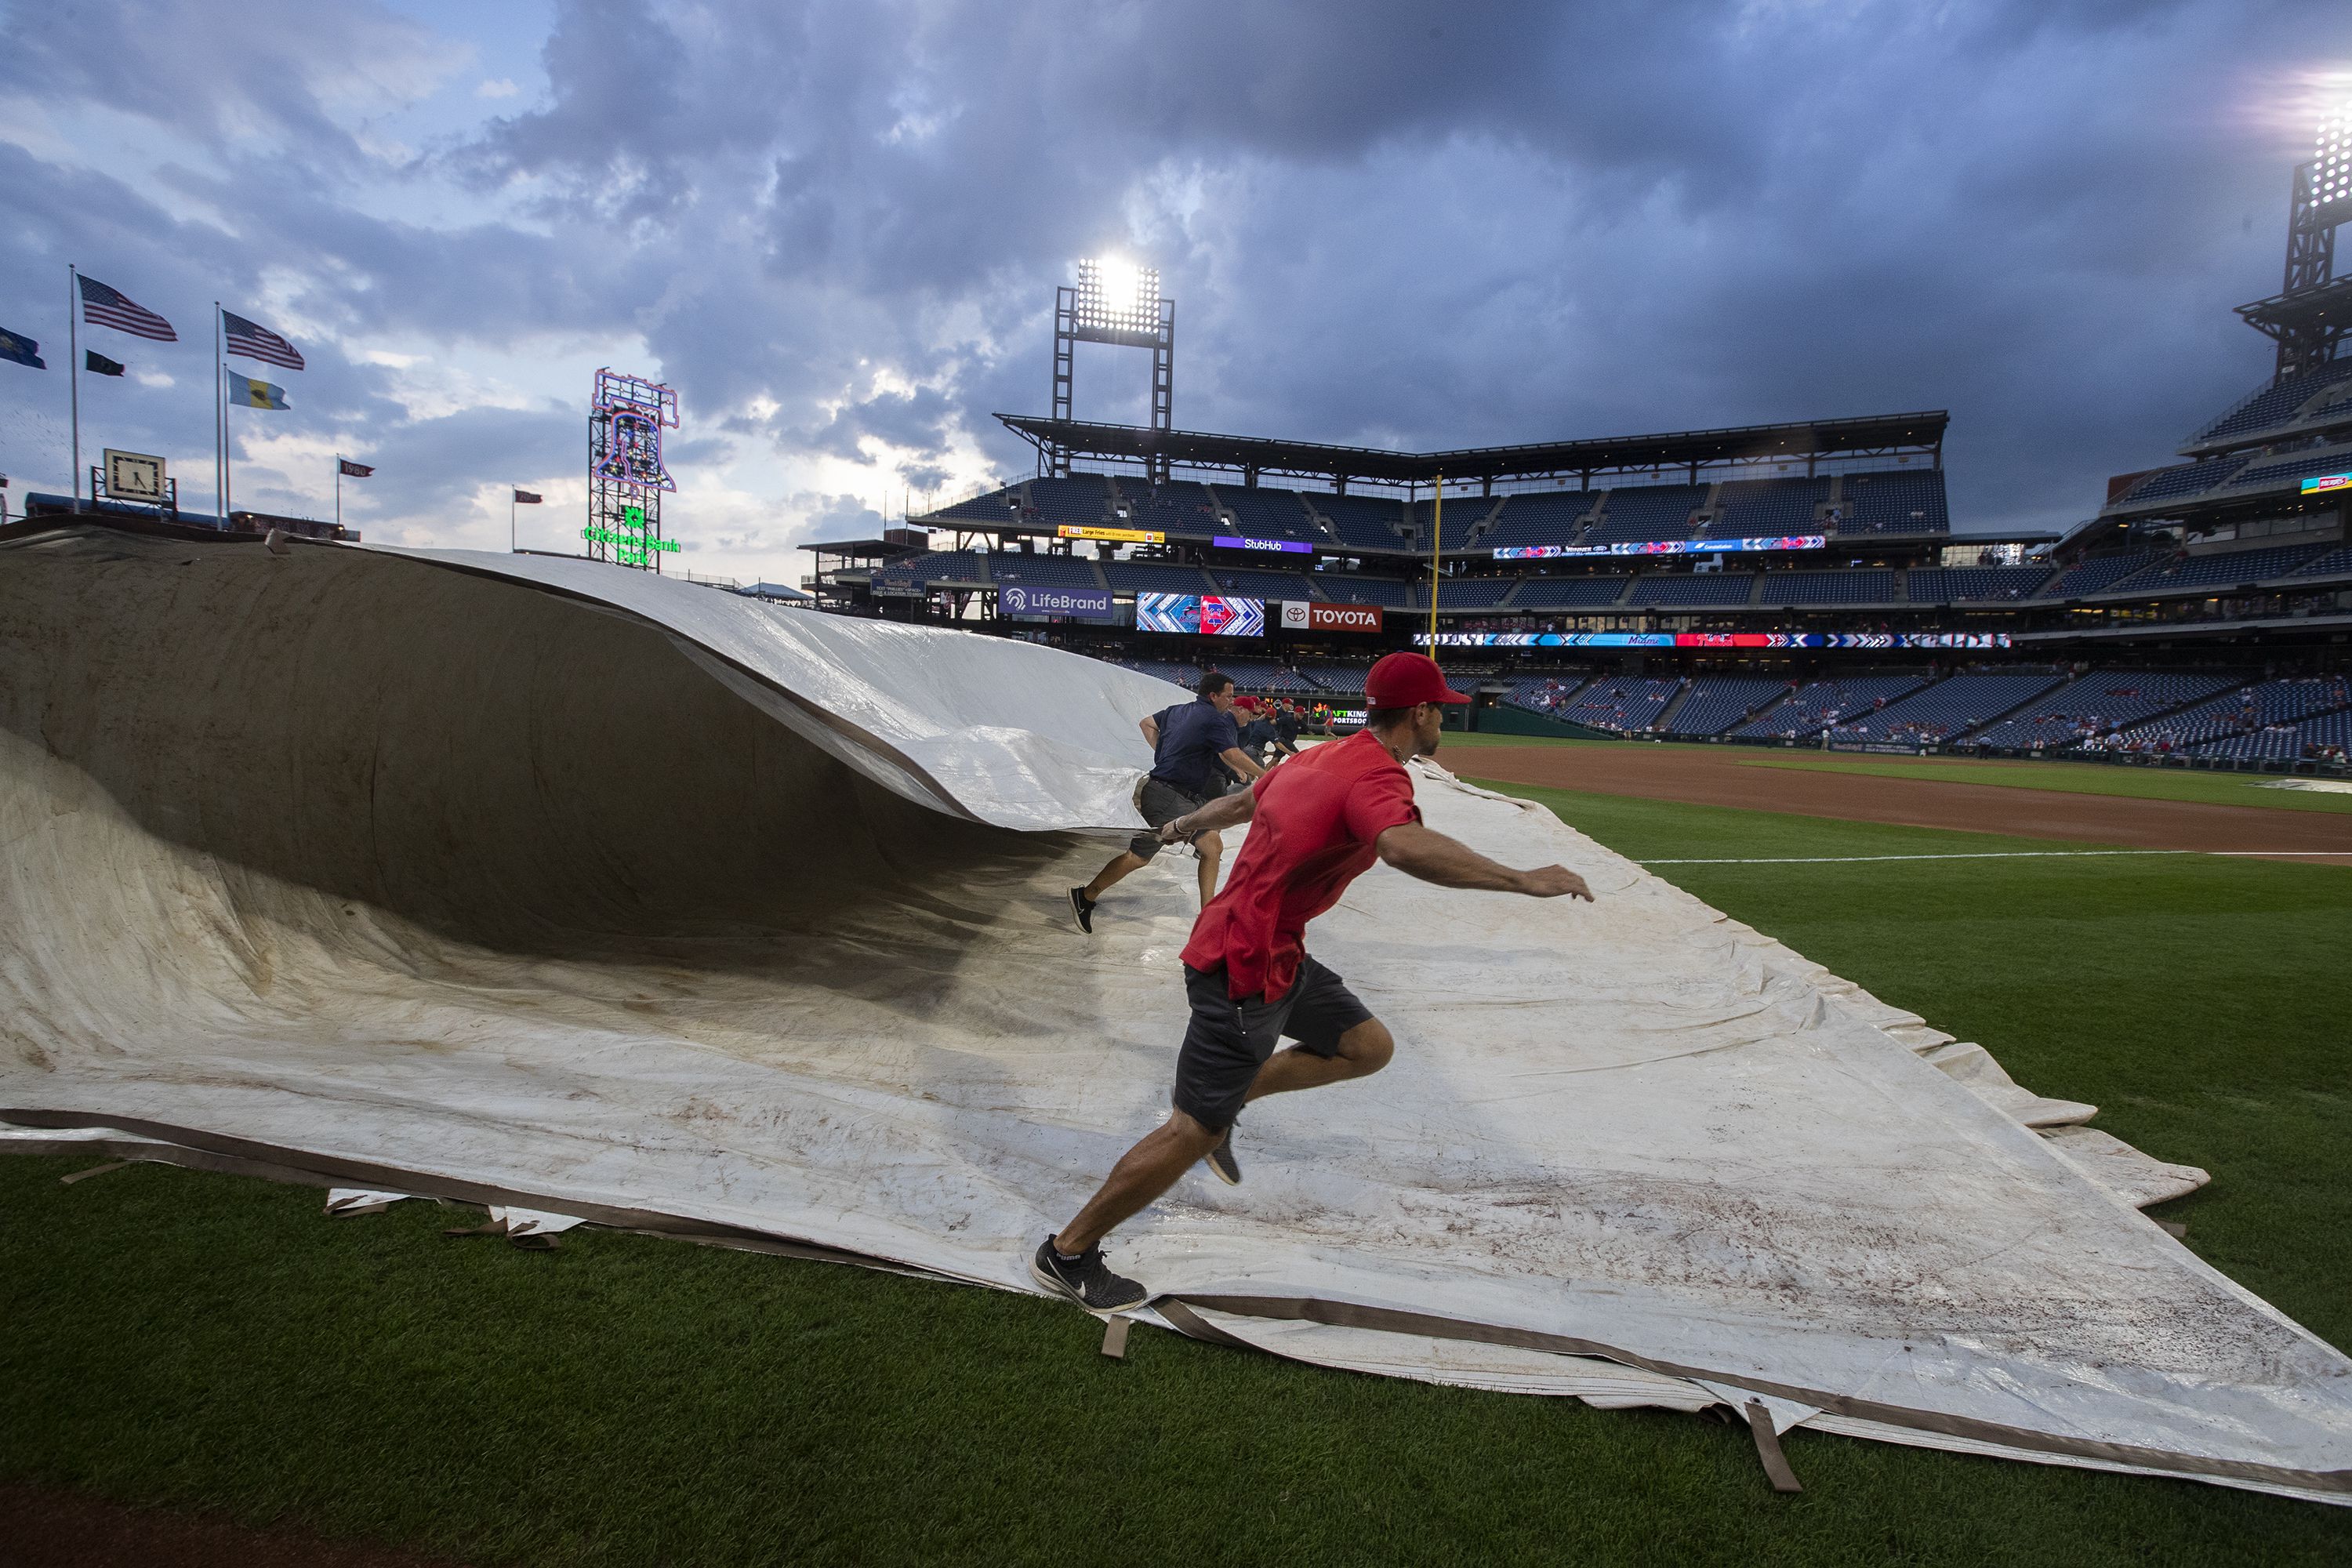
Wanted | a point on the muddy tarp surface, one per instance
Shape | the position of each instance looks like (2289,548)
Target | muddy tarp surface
(605,895)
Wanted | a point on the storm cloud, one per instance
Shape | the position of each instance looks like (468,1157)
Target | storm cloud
(837,231)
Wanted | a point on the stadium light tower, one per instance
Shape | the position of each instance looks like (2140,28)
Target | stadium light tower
(2311,312)
(1116,301)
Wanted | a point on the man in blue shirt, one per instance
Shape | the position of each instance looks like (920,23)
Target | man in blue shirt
(1192,742)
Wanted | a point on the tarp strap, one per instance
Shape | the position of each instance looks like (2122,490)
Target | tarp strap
(1114,1343)
(93,1171)
(1768,1448)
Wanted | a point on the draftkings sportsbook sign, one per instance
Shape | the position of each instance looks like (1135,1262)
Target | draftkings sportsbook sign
(1307,616)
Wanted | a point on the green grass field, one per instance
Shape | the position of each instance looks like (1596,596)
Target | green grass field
(2205,787)
(2072,778)
(215,1343)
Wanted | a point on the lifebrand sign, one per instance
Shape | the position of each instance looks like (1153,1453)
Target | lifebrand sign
(1078,603)
(1308,616)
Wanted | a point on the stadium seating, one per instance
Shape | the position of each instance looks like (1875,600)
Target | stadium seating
(2099,701)
(2328,735)
(1463,514)
(2095,574)
(1716,702)
(1042,570)
(1627,704)
(1364,522)
(1156,577)
(1638,514)
(1754,508)
(1545,694)
(1538,517)
(1473,593)
(1946,711)
(1081,499)
(1696,588)
(1813,708)
(1568,592)
(2333,563)
(2263,474)
(1270,514)
(1347,588)
(1181,508)
(2225,569)
(1185,675)
(1854,585)
(2233,713)
(2185,479)
(1973,584)
(1894,503)
(942,566)
(996,506)
(1262,674)
(1339,680)
(2274,405)
(1262,584)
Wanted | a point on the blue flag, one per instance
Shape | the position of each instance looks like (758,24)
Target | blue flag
(252,392)
(21,350)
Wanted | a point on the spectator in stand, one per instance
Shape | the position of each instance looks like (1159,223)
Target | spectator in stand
(1189,743)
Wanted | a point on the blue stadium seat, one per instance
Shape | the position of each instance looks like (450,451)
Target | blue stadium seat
(1946,711)
(1640,514)
(1042,571)
(2100,702)
(1716,702)
(1578,593)
(1894,503)
(2096,574)
(1853,585)
(1973,584)
(1156,577)
(1693,588)
(1538,517)
(1756,508)
(1813,708)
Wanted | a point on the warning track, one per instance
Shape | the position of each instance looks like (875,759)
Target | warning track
(1711,776)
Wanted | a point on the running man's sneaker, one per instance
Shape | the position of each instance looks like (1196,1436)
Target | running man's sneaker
(1085,1280)
(1221,1160)
(1084,907)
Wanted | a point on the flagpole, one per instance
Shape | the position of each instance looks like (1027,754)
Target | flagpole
(73,370)
(510,521)
(339,495)
(220,418)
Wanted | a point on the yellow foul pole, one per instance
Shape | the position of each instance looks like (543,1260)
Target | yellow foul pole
(1436,538)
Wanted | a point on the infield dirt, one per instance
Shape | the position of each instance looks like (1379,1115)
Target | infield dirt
(1717,776)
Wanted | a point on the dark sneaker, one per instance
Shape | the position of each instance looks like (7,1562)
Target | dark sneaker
(1085,1280)
(1221,1160)
(1084,907)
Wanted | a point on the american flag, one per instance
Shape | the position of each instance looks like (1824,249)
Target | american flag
(257,341)
(104,307)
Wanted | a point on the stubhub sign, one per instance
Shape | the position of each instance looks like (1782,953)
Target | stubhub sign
(1078,603)
(1310,616)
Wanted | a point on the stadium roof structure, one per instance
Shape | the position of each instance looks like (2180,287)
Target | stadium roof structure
(1809,439)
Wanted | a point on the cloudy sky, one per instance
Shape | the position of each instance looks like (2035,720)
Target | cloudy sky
(836,229)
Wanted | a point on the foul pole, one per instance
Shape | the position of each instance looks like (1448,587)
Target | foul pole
(1436,542)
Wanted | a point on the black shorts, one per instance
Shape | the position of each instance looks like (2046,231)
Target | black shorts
(1228,1040)
(1160,803)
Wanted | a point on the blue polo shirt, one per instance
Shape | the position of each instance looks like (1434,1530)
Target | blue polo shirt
(1192,736)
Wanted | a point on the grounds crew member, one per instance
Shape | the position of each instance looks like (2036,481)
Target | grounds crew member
(1188,743)
(1319,823)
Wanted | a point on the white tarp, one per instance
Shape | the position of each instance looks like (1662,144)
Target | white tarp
(570,888)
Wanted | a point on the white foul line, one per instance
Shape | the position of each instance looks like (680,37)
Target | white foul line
(2007,855)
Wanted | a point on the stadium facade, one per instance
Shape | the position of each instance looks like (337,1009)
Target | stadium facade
(1778,584)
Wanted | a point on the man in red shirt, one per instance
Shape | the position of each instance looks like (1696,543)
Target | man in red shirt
(1317,823)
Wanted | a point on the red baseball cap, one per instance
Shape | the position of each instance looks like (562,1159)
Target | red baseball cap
(1403,678)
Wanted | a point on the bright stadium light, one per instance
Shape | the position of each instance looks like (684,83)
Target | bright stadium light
(2331,173)
(1117,294)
